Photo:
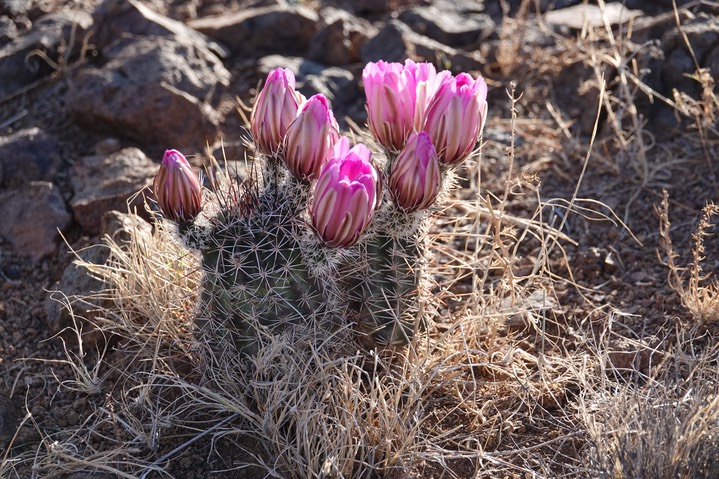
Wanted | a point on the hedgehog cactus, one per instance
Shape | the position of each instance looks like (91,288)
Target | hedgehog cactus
(319,241)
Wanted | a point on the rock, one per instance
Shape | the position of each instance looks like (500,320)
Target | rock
(75,290)
(115,18)
(28,155)
(8,30)
(339,42)
(32,216)
(14,8)
(369,7)
(19,66)
(151,90)
(259,31)
(103,183)
(396,42)
(702,33)
(456,28)
(579,16)
(72,295)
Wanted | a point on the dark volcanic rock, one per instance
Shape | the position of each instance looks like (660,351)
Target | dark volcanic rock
(115,18)
(453,28)
(104,183)
(32,216)
(151,90)
(14,8)
(259,31)
(19,63)
(702,33)
(28,155)
(340,41)
(396,42)
(8,30)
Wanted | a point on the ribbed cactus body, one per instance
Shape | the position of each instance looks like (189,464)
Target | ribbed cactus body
(386,293)
(256,279)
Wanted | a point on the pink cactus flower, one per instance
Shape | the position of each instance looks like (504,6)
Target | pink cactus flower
(177,188)
(414,178)
(274,109)
(310,138)
(391,96)
(456,115)
(345,196)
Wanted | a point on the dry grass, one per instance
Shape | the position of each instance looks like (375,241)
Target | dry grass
(699,292)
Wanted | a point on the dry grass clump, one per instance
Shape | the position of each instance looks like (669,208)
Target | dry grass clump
(699,292)
(664,424)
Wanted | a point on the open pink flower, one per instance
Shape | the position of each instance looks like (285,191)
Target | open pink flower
(414,178)
(345,196)
(177,188)
(456,115)
(310,138)
(274,109)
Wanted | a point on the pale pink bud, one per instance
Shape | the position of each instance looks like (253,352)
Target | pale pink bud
(310,138)
(177,188)
(274,109)
(390,92)
(345,196)
(414,178)
(456,116)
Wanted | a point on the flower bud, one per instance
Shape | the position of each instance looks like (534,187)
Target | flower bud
(390,103)
(456,116)
(414,178)
(345,195)
(310,138)
(274,109)
(177,188)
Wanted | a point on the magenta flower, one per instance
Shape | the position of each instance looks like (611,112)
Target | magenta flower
(274,109)
(414,178)
(456,115)
(345,195)
(177,188)
(310,138)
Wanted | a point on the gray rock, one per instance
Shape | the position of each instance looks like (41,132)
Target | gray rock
(340,41)
(151,90)
(453,28)
(8,30)
(77,291)
(32,216)
(19,66)
(396,42)
(28,155)
(260,31)
(115,18)
(370,7)
(103,183)
(14,8)
(702,33)
(579,16)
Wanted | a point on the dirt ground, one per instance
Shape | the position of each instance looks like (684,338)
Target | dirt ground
(602,191)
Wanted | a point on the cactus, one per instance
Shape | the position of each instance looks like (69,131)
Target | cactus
(315,240)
